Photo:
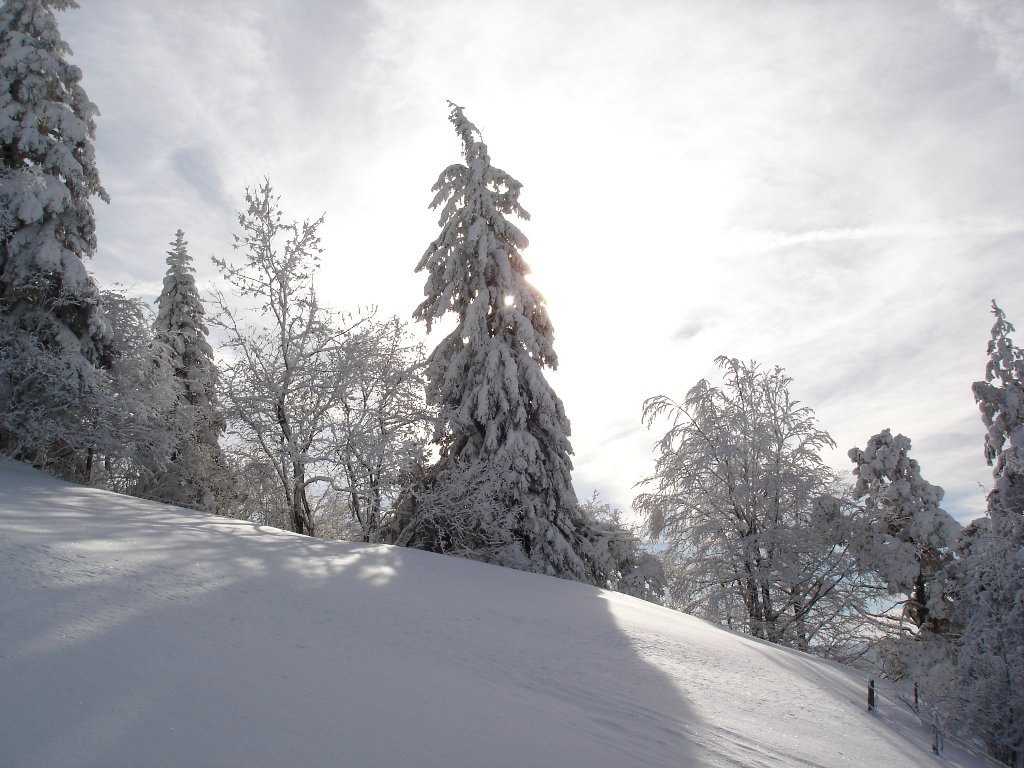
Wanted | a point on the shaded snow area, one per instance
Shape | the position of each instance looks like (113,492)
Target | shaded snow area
(137,634)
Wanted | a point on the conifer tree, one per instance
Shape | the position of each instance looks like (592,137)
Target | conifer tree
(49,177)
(196,457)
(989,575)
(50,306)
(1001,400)
(495,408)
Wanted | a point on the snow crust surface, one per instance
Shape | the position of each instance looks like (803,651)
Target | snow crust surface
(138,634)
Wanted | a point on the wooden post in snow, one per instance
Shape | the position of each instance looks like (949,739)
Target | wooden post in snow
(871,695)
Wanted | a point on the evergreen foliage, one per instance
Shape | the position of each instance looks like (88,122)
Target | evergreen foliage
(495,408)
(1001,400)
(52,325)
(49,176)
(51,413)
(196,469)
(988,577)
(988,701)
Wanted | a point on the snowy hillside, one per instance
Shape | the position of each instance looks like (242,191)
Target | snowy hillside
(135,634)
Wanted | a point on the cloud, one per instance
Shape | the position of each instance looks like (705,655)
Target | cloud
(762,242)
(1000,27)
(198,168)
(688,330)
(833,189)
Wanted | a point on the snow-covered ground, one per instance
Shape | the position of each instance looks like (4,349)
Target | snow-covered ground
(137,634)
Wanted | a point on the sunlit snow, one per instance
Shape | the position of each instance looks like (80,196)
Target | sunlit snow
(137,634)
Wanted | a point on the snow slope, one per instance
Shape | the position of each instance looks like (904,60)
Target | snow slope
(137,634)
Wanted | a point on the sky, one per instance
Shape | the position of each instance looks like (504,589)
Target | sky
(833,187)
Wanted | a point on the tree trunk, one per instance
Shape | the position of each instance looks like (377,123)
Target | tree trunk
(301,519)
(918,609)
(753,601)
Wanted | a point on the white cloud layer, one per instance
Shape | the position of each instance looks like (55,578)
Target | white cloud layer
(835,188)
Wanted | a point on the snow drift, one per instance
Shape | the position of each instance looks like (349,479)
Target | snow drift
(137,634)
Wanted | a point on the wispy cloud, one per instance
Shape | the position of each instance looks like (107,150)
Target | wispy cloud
(764,241)
(834,188)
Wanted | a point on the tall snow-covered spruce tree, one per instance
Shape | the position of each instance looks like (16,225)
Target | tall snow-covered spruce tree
(196,459)
(499,423)
(988,577)
(1001,400)
(49,304)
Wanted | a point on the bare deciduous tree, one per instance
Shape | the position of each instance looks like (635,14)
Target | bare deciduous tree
(283,369)
(734,498)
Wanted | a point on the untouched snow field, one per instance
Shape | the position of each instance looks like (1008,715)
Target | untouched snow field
(138,634)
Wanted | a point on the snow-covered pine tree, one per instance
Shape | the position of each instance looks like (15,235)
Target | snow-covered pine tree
(989,576)
(988,588)
(46,134)
(486,377)
(1001,400)
(47,177)
(196,460)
